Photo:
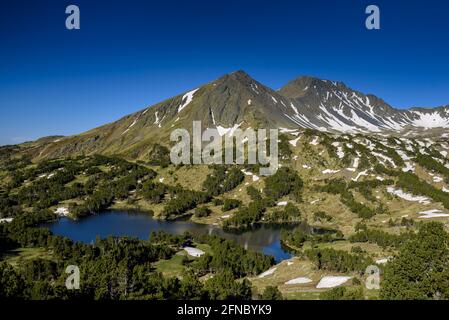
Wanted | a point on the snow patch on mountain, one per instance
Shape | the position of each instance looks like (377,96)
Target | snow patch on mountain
(430,120)
(294,141)
(407,196)
(186,99)
(157,118)
(363,173)
(213,117)
(435,213)
(330,171)
(228,131)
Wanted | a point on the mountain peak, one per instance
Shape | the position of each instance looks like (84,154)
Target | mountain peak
(298,87)
(239,75)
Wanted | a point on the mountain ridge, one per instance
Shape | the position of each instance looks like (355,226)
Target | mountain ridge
(236,100)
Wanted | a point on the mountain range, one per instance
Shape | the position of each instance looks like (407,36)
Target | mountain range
(356,183)
(236,100)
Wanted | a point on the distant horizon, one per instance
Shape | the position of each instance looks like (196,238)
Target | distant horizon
(134,54)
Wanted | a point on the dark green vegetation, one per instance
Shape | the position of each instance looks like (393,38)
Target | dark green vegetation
(431,164)
(88,185)
(379,237)
(412,183)
(354,222)
(182,201)
(51,182)
(122,268)
(420,271)
(201,212)
(227,256)
(114,268)
(338,260)
(304,232)
(285,182)
(271,293)
(342,188)
(321,216)
(289,213)
(222,179)
(343,293)
(230,204)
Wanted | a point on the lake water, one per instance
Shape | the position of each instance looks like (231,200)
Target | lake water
(264,239)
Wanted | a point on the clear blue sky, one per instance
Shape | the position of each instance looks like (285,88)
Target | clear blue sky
(131,54)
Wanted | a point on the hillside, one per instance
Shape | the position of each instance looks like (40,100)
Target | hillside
(358,184)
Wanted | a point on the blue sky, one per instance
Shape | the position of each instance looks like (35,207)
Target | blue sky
(131,54)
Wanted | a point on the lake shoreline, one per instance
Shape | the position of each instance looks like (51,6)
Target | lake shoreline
(133,223)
